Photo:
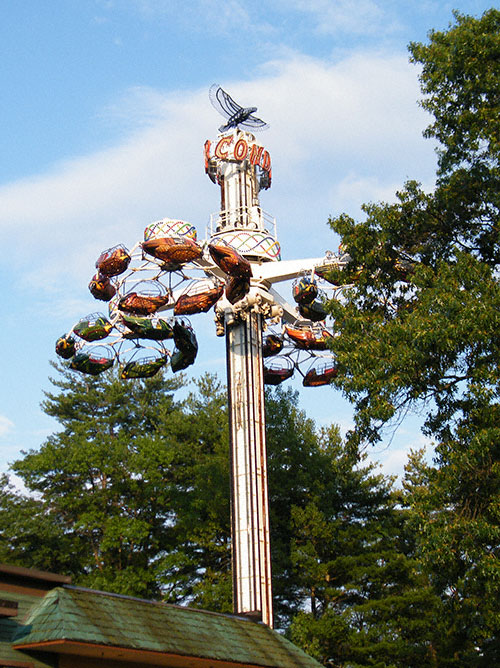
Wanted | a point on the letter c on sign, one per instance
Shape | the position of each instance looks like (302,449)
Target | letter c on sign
(221,148)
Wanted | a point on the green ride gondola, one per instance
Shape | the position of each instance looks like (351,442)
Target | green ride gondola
(146,328)
(85,363)
(143,368)
(186,346)
(93,328)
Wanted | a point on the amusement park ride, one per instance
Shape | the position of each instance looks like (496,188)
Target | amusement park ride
(235,272)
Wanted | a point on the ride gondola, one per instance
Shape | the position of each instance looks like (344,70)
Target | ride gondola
(272,345)
(93,327)
(155,329)
(146,302)
(307,337)
(320,374)
(198,300)
(65,346)
(186,346)
(304,290)
(113,261)
(230,261)
(315,311)
(91,363)
(101,287)
(237,288)
(278,371)
(146,367)
(174,251)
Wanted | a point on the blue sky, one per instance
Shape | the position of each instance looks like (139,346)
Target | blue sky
(103,115)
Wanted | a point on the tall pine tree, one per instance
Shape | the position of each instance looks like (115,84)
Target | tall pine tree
(419,328)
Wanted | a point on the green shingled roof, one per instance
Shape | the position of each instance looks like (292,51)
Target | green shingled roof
(86,616)
(9,627)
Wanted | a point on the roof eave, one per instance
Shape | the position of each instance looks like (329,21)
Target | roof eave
(147,657)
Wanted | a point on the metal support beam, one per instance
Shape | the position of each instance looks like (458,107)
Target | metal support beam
(252,591)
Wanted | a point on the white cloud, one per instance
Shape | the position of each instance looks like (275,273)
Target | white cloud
(6,425)
(353,189)
(340,132)
(357,17)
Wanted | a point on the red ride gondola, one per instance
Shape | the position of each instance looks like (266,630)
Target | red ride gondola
(173,250)
(273,344)
(145,298)
(320,374)
(230,261)
(308,337)
(198,300)
(142,304)
(237,288)
(278,371)
(101,288)
(113,261)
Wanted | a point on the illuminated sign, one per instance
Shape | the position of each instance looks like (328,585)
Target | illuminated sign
(227,149)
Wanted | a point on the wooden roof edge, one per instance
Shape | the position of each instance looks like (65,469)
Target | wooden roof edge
(34,574)
(149,657)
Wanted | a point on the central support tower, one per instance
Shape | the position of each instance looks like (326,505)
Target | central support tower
(241,167)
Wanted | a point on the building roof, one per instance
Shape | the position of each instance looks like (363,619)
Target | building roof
(9,627)
(44,579)
(20,589)
(75,620)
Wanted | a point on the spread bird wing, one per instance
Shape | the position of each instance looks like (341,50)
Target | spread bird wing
(226,106)
(222,101)
(254,123)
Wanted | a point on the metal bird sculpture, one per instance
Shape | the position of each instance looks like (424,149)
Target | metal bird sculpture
(238,117)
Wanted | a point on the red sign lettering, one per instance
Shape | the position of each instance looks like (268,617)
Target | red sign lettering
(241,150)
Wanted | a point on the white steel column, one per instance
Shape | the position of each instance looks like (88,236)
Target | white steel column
(252,591)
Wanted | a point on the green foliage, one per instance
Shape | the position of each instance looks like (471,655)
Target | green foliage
(370,605)
(295,469)
(132,496)
(198,566)
(103,481)
(31,535)
(461,81)
(419,329)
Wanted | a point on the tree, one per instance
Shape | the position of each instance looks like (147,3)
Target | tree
(419,326)
(370,604)
(103,481)
(30,536)
(197,568)
(132,494)
(296,462)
